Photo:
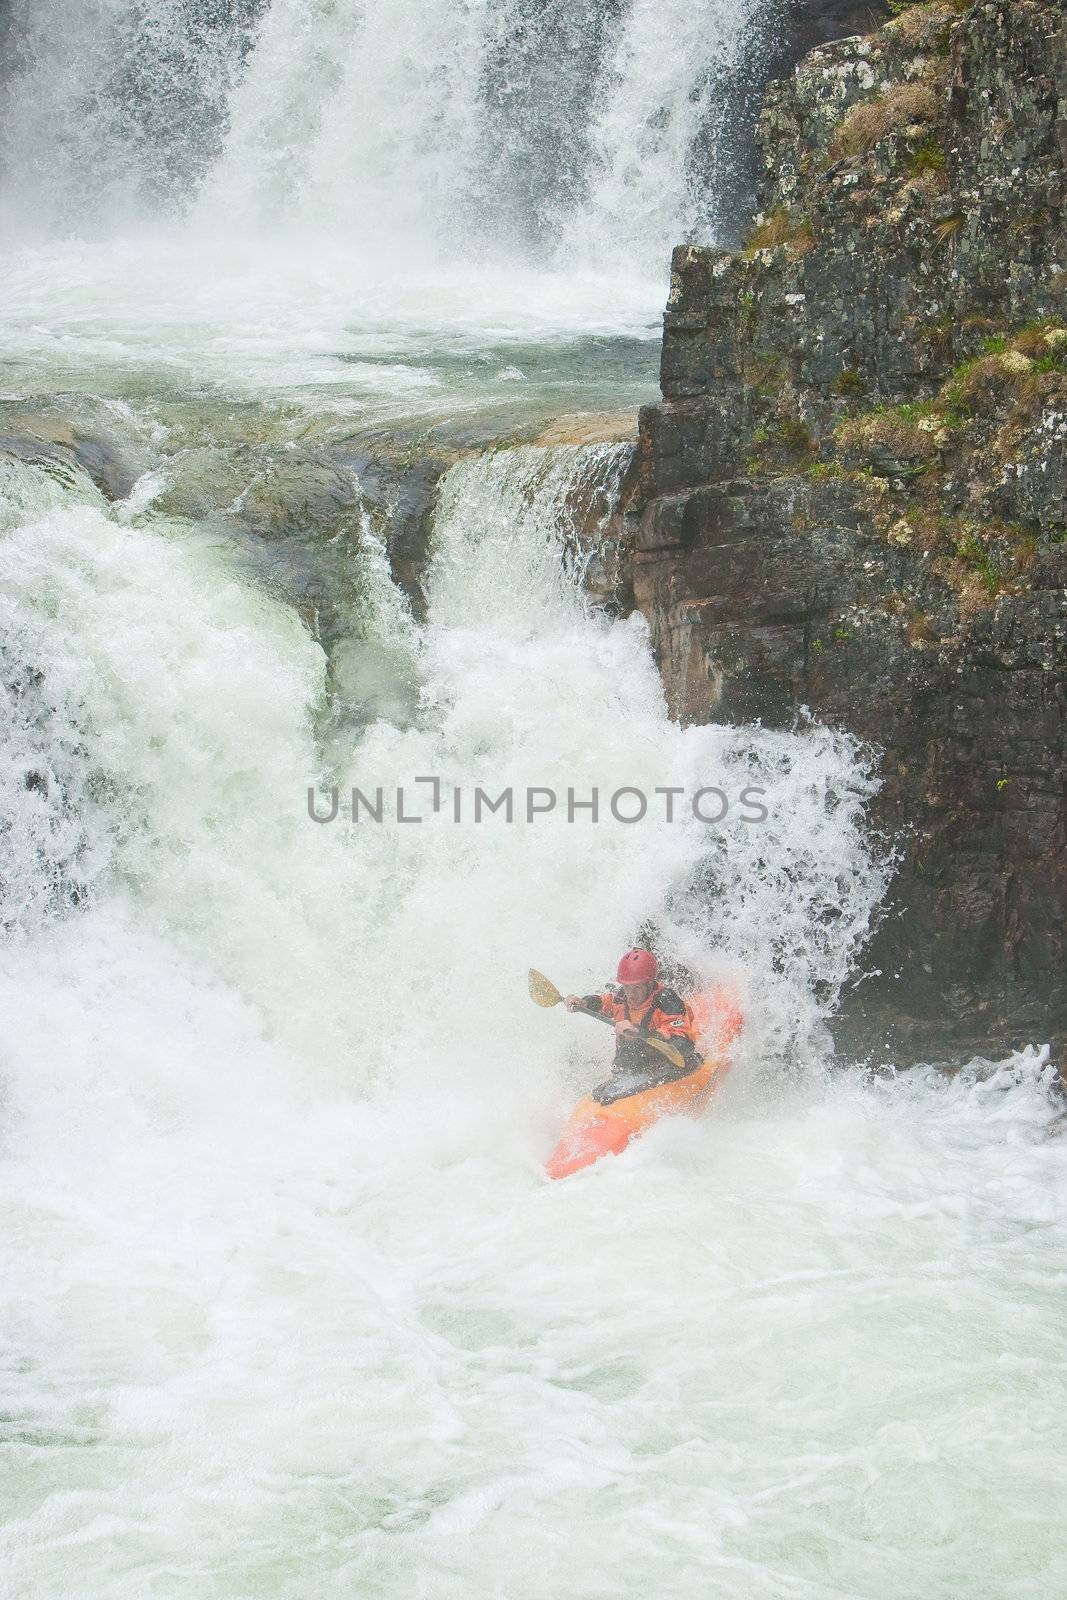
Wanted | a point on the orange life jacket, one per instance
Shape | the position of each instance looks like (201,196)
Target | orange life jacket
(664,1013)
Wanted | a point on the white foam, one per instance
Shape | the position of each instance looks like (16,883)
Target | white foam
(290,1301)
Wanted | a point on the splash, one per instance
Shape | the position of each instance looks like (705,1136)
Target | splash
(115,110)
(184,709)
(563,135)
(290,1301)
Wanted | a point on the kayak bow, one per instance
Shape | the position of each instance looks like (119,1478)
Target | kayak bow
(596,1129)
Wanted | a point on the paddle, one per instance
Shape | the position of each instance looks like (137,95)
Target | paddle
(543,992)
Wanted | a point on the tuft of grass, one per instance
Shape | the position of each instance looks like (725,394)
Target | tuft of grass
(948,229)
(924,26)
(929,157)
(764,374)
(1031,341)
(868,123)
(996,555)
(938,334)
(979,385)
(931,184)
(780,228)
(1045,343)
(895,432)
(847,382)
(795,434)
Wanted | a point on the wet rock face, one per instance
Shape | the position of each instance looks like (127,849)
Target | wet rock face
(59,447)
(817,22)
(783,36)
(853,495)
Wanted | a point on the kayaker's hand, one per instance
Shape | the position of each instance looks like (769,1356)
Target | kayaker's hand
(622,1027)
(572,1002)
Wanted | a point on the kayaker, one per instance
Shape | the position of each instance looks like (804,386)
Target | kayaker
(642,1006)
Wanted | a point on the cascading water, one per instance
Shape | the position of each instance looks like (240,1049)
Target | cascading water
(113,106)
(291,1308)
(316,198)
(290,1304)
(423,125)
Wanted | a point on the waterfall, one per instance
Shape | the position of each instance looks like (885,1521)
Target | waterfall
(290,1303)
(426,125)
(180,734)
(291,1306)
(114,109)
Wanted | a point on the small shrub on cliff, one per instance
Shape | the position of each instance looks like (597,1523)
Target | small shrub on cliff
(987,560)
(847,382)
(779,228)
(928,158)
(974,554)
(986,382)
(974,594)
(795,434)
(972,573)
(898,434)
(869,122)
(923,27)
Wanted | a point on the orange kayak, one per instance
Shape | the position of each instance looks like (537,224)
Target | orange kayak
(596,1129)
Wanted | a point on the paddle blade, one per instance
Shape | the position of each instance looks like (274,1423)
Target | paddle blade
(543,991)
(675,1057)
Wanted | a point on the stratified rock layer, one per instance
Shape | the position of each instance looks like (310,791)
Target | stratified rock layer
(852,498)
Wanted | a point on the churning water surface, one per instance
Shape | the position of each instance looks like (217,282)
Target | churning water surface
(292,1310)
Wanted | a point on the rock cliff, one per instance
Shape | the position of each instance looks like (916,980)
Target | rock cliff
(852,498)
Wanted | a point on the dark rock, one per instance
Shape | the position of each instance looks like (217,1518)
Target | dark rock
(853,495)
(771,50)
(399,497)
(57,446)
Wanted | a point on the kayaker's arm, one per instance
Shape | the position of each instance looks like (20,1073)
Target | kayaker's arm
(673,1021)
(601,1006)
(594,1003)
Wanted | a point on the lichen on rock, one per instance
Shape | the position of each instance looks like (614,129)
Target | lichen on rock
(865,416)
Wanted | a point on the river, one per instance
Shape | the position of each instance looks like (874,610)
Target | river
(291,1308)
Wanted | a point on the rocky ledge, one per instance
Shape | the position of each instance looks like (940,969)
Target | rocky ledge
(852,498)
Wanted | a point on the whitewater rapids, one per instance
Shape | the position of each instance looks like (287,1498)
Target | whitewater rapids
(291,1305)
(290,1308)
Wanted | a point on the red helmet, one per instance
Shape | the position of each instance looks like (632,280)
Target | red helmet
(637,966)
